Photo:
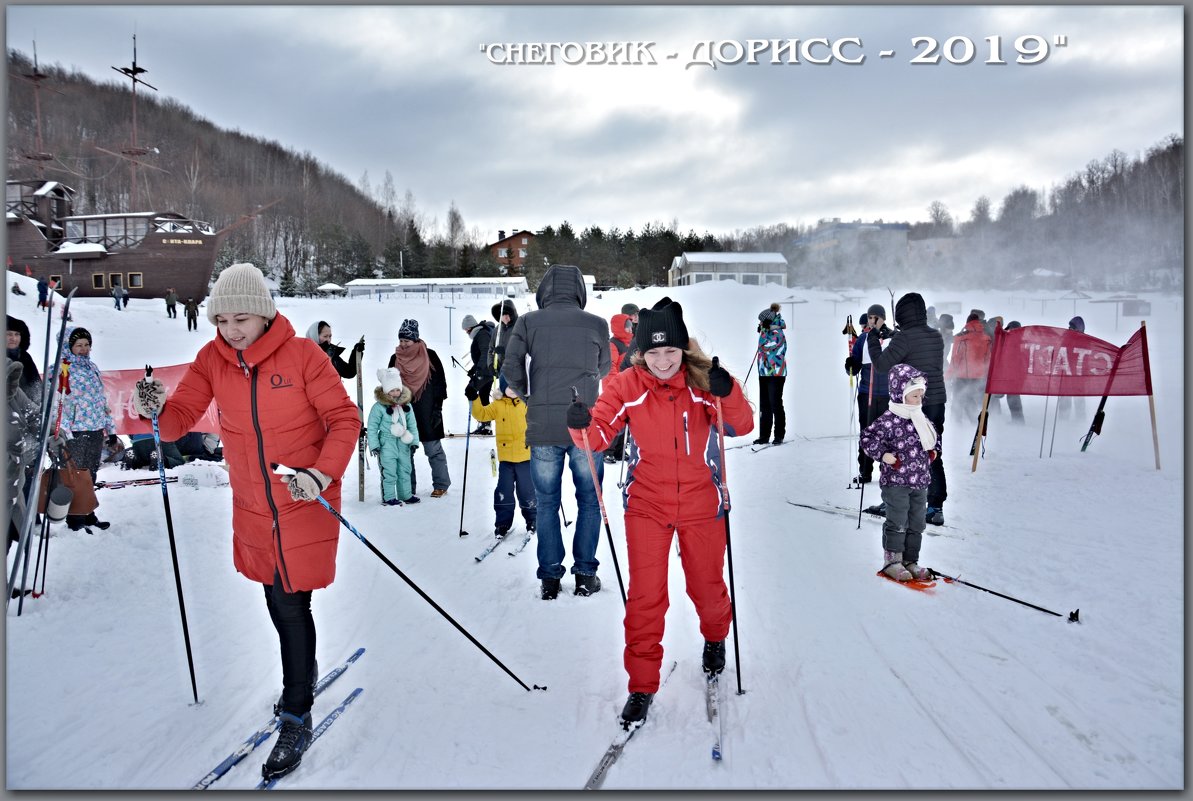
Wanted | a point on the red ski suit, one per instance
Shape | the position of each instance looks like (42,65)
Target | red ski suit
(280,400)
(673,485)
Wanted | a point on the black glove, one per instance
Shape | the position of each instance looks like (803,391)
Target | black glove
(720,383)
(471,392)
(359,347)
(578,415)
(852,366)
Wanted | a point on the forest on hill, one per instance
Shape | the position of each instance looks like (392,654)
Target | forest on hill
(1116,223)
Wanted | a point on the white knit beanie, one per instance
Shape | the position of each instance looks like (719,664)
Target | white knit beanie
(390,379)
(240,289)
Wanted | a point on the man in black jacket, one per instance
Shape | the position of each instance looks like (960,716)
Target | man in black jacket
(916,344)
(481,374)
(567,347)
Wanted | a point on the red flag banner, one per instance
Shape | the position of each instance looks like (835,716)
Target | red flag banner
(119,385)
(1044,360)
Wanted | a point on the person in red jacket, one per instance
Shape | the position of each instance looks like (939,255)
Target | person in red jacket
(621,351)
(968,364)
(280,401)
(668,398)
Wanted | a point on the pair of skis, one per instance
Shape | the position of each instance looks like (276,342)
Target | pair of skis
(712,698)
(262,734)
(497,541)
(135,482)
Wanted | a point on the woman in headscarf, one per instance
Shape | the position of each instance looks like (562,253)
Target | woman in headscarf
(422,373)
(320,334)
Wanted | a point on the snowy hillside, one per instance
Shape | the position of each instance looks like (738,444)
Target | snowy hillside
(850,681)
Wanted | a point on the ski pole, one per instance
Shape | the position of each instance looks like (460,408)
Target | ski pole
(728,543)
(283,470)
(26,528)
(161,474)
(1072,618)
(464,485)
(596,486)
(752,361)
(467,443)
(564,515)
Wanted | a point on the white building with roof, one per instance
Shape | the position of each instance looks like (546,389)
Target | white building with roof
(750,269)
(412,287)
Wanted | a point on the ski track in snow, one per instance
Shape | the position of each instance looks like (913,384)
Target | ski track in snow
(850,682)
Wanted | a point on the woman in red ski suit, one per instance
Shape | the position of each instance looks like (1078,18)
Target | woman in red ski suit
(280,401)
(668,400)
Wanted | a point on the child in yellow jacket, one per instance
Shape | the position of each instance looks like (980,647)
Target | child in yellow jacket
(513,477)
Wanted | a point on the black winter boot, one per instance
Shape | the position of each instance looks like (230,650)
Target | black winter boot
(587,585)
(714,657)
(550,589)
(293,738)
(92,520)
(635,709)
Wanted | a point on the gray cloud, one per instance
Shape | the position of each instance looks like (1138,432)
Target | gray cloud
(406,89)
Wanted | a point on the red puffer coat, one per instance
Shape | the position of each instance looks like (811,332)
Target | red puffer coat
(674,468)
(280,400)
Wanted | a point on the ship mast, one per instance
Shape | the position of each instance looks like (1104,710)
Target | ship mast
(40,156)
(133,152)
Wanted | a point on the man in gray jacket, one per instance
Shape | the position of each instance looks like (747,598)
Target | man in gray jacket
(563,346)
(916,344)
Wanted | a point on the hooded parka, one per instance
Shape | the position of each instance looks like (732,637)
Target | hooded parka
(280,401)
(568,347)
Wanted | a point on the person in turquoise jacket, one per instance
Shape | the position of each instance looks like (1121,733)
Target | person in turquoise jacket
(393,436)
(772,374)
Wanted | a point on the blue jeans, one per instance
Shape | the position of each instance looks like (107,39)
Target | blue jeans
(546,469)
(513,480)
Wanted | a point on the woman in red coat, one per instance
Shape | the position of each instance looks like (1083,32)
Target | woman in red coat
(668,399)
(280,401)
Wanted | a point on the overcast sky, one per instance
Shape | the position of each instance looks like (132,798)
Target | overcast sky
(409,90)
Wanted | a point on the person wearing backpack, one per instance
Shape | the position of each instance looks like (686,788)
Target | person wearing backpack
(968,364)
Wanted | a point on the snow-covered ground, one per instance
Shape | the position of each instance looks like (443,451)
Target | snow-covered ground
(850,682)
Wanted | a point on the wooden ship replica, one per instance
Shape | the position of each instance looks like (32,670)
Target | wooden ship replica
(143,252)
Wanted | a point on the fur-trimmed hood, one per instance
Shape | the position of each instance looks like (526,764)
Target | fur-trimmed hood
(382,397)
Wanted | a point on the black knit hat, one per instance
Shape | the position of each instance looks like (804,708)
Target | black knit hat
(408,330)
(77,334)
(878,310)
(662,326)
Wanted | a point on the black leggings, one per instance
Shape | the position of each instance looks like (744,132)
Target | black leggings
(770,406)
(291,616)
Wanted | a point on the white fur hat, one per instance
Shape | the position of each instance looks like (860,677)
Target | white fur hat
(390,379)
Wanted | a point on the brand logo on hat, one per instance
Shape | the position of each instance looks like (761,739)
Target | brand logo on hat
(658,337)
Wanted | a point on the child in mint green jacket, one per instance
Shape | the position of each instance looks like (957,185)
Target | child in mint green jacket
(393,436)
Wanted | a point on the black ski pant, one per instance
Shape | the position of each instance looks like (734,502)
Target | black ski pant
(291,616)
(770,406)
(192,323)
(85,449)
(867,412)
(938,489)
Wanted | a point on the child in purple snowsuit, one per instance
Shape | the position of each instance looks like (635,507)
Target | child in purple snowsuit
(905,442)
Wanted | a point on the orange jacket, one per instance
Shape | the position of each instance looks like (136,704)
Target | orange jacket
(970,357)
(280,400)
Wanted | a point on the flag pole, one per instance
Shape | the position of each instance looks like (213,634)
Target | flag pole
(999,333)
(1151,398)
